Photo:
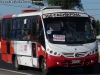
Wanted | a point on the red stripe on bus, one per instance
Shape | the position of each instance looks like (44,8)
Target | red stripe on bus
(7,16)
(4,57)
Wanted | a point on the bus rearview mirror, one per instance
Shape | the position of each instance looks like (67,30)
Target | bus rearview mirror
(93,24)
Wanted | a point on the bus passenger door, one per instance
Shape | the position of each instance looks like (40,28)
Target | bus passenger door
(34,54)
(34,38)
(8,36)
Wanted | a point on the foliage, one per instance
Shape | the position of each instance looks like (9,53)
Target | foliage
(68,4)
(98,27)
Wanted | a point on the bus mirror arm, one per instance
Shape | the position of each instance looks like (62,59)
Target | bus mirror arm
(93,23)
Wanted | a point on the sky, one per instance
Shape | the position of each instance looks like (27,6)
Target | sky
(91,7)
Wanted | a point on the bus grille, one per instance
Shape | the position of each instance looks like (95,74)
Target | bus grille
(78,54)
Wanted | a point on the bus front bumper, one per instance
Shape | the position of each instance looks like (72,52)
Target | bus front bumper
(54,61)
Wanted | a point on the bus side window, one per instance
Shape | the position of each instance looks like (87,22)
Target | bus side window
(33,30)
(14,23)
(8,29)
(18,31)
(18,36)
(4,29)
(26,29)
(19,23)
(24,23)
(28,23)
(13,29)
(13,34)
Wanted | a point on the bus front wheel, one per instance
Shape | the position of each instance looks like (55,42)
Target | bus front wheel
(45,70)
(88,69)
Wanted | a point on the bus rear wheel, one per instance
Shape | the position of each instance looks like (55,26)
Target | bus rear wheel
(17,66)
(45,70)
(88,69)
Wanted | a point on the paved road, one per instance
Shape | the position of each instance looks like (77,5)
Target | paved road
(8,69)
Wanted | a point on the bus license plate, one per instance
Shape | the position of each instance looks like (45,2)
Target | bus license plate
(75,61)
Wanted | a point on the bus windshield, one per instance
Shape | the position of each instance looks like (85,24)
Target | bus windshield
(66,30)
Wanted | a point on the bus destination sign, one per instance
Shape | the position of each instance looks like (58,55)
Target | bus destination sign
(61,14)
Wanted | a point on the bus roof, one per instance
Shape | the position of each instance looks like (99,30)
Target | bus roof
(50,11)
(7,16)
(46,10)
(29,10)
(30,14)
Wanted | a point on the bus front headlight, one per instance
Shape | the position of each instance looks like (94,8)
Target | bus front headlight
(93,52)
(54,53)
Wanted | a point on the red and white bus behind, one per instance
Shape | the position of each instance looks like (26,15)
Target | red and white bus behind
(50,38)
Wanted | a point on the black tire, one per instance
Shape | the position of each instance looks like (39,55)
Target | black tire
(88,69)
(17,66)
(45,70)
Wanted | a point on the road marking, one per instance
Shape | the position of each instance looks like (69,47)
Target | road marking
(15,71)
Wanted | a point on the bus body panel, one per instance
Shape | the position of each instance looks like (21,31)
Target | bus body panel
(68,55)
(22,48)
(3,47)
(24,51)
(7,54)
(26,54)
(71,48)
(25,60)
(64,62)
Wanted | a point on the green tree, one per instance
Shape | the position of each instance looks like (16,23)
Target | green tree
(68,4)
(98,27)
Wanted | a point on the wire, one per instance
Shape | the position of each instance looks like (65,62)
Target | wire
(35,7)
(96,14)
(12,5)
(93,9)
(18,6)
